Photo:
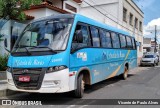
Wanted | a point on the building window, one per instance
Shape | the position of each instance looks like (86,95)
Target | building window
(131,19)
(140,26)
(69,7)
(136,23)
(125,14)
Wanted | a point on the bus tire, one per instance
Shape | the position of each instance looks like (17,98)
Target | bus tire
(78,93)
(157,63)
(153,65)
(125,73)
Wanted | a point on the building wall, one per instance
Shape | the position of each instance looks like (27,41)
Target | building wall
(41,12)
(57,3)
(153,45)
(112,14)
(114,10)
(108,7)
(132,8)
(5,30)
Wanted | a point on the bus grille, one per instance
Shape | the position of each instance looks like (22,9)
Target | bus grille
(36,77)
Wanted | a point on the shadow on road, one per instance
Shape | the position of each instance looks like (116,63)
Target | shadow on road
(104,83)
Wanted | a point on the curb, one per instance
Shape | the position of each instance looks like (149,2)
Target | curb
(3,81)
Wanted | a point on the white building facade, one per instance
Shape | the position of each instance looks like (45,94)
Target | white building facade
(146,45)
(123,14)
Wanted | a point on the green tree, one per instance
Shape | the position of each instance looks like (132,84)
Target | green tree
(14,9)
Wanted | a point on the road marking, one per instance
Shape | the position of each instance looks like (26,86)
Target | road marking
(83,106)
(71,106)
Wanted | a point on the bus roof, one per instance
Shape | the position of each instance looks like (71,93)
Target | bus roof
(84,19)
(99,24)
(55,16)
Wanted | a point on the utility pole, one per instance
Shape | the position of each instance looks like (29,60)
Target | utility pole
(155,48)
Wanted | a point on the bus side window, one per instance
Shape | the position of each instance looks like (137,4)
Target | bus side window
(129,43)
(85,42)
(95,37)
(123,41)
(133,42)
(105,39)
(115,40)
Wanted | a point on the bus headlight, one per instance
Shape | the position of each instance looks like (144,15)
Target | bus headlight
(51,83)
(56,68)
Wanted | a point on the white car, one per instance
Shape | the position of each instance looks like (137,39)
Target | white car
(149,59)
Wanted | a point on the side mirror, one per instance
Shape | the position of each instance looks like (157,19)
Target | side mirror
(78,36)
(5,43)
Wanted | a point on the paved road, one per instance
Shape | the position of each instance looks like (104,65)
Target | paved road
(143,83)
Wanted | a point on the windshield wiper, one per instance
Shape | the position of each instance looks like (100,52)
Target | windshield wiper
(28,51)
(25,47)
(44,47)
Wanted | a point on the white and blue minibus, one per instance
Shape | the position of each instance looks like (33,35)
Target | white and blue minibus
(63,53)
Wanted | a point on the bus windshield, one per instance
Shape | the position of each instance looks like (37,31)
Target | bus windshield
(43,36)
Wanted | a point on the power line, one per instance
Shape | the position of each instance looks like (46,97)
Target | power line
(116,18)
(110,18)
(100,11)
(106,11)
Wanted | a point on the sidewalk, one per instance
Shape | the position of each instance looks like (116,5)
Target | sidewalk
(3,85)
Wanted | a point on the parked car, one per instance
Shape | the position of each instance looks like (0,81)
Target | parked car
(149,59)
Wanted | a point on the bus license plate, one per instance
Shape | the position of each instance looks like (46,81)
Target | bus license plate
(24,78)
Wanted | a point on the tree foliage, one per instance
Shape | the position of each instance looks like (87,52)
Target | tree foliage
(14,9)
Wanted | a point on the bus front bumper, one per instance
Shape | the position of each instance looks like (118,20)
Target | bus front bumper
(55,82)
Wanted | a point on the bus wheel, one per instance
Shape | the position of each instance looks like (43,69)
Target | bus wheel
(80,87)
(125,73)
(153,65)
(157,63)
